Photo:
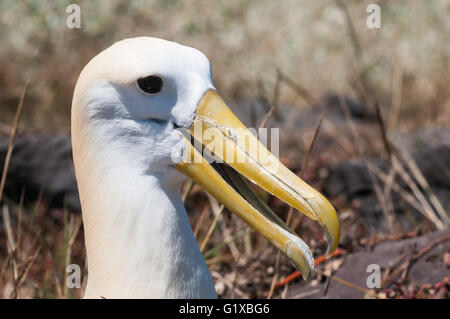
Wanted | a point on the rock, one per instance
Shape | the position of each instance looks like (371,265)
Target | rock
(351,181)
(335,104)
(430,268)
(42,163)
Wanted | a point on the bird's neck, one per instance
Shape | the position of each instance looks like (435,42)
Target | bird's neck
(138,239)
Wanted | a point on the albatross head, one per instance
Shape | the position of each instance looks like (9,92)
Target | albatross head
(144,114)
(134,95)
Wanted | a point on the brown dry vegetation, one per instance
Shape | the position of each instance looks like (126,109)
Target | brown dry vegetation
(302,50)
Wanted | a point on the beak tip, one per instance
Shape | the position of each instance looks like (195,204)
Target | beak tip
(300,256)
(305,277)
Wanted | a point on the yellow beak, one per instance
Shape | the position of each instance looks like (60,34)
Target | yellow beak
(219,135)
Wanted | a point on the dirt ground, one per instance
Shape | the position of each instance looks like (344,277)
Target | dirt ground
(398,280)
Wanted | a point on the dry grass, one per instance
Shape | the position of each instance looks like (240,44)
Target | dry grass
(246,41)
(299,49)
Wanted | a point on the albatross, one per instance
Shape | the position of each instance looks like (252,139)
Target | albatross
(145,117)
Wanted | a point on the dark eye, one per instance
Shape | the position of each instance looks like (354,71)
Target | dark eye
(150,84)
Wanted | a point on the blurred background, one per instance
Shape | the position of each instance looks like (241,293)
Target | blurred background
(363,114)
